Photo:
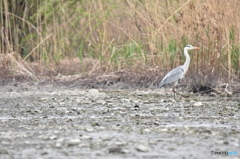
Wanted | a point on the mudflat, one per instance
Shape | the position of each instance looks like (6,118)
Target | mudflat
(61,122)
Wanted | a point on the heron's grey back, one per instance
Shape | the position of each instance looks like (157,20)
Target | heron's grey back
(172,76)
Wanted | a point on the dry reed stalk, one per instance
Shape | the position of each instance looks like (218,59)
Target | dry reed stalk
(21,67)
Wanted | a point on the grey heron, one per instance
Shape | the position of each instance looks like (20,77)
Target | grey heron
(175,75)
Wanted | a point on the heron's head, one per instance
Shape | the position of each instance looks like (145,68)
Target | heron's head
(190,47)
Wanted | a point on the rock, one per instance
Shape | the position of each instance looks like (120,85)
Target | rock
(115,150)
(101,102)
(125,151)
(118,150)
(93,91)
(198,104)
(69,120)
(54,137)
(136,107)
(226,142)
(120,143)
(73,142)
(89,129)
(58,145)
(95,124)
(163,100)
(163,129)
(44,153)
(142,148)
(85,137)
(147,130)
(172,100)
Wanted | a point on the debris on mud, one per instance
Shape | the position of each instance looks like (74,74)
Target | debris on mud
(56,122)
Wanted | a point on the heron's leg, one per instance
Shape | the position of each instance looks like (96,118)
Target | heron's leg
(174,92)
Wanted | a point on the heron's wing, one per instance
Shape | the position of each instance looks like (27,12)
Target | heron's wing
(172,76)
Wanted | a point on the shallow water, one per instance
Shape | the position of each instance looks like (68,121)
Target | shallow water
(75,123)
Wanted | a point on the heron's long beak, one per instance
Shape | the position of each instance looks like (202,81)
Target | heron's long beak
(196,47)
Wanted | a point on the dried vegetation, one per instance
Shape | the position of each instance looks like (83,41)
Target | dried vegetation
(111,42)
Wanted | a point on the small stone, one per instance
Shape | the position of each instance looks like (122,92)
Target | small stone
(58,145)
(136,107)
(95,124)
(115,150)
(164,129)
(142,148)
(226,142)
(89,129)
(51,106)
(198,104)
(147,130)
(156,123)
(67,111)
(44,153)
(163,100)
(54,137)
(119,143)
(172,100)
(68,120)
(73,142)
(101,102)
(85,137)
(38,111)
(221,122)
(118,150)
(93,91)
(125,151)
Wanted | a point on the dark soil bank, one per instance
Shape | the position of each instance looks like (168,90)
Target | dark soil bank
(74,123)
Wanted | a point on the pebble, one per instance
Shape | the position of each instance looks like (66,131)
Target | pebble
(89,129)
(54,137)
(142,148)
(118,150)
(58,145)
(198,104)
(115,150)
(73,142)
(101,102)
(221,142)
(172,100)
(125,151)
(68,120)
(147,130)
(164,129)
(85,137)
(93,91)
(120,143)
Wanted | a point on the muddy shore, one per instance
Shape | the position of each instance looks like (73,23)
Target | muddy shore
(61,122)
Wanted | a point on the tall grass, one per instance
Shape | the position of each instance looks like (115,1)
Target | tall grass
(119,35)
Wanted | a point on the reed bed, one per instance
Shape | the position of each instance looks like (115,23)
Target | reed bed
(96,37)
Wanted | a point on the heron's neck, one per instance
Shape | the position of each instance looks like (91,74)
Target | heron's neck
(187,62)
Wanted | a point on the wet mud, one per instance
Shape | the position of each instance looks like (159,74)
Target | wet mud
(76,123)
